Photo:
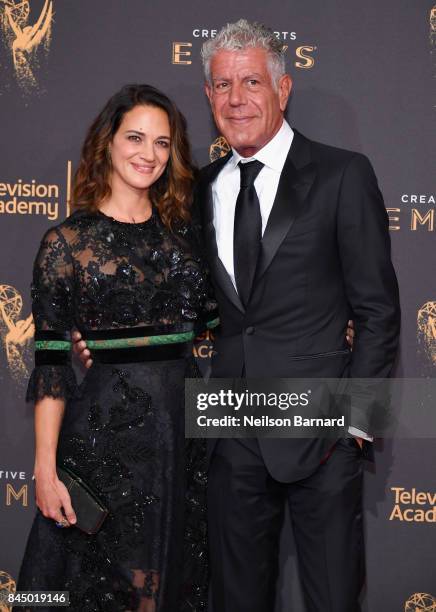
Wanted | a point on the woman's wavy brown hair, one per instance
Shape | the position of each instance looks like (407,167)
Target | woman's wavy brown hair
(172,192)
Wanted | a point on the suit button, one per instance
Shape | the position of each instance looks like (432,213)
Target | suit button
(249,331)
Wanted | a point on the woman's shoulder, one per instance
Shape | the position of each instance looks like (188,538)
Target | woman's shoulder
(70,228)
(79,219)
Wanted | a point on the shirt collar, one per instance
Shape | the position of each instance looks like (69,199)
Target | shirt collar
(274,153)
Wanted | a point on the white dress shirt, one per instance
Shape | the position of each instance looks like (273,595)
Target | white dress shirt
(225,190)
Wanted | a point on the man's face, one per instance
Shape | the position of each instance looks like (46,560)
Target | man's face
(247,108)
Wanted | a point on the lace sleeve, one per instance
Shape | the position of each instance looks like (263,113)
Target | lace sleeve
(52,308)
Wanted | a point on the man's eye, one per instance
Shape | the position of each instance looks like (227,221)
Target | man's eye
(253,82)
(221,86)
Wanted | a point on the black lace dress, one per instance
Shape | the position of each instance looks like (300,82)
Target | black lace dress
(138,293)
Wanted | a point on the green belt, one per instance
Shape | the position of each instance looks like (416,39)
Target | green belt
(120,343)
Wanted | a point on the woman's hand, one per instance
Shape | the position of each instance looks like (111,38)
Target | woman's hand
(52,497)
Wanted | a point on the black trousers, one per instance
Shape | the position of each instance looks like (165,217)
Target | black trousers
(246,510)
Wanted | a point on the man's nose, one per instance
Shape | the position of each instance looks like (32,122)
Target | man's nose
(237,95)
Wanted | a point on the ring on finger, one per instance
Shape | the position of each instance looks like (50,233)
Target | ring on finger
(62,523)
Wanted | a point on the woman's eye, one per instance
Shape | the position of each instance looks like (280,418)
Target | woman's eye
(134,138)
(163,143)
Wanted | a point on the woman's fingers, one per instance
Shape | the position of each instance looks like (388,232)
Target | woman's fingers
(51,497)
(66,503)
(52,510)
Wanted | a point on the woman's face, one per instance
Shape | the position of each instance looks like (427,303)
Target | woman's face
(140,148)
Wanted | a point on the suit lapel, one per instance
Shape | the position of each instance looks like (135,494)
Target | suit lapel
(217,268)
(296,179)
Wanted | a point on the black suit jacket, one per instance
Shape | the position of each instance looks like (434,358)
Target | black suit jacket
(325,258)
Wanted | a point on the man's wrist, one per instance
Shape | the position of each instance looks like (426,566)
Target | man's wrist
(358,433)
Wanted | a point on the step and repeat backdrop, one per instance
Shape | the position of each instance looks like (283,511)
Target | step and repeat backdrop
(364,79)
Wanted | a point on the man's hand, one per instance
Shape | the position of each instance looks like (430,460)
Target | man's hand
(79,347)
(350,333)
(359,442)
(350,339)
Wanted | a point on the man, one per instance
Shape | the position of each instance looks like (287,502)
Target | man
(283,299)
(297,243)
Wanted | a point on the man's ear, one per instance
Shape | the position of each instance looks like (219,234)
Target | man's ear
(285,88)
(208,90)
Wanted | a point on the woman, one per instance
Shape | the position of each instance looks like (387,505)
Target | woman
(126,271)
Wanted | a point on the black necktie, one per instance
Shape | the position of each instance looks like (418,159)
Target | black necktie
(247,232)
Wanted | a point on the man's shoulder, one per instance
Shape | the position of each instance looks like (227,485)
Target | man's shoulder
(210,170)
(332,155)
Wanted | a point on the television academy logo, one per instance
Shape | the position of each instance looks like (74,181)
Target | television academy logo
(182,52)
(25,35)
(432,37)
(416,212)
(16,333)
(413,506)
(34,197)
(420,602)
(432,20)
(426,323)
(17,491)
(219,148)
(7,586)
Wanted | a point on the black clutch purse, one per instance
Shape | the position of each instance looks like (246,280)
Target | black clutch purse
(89,509)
